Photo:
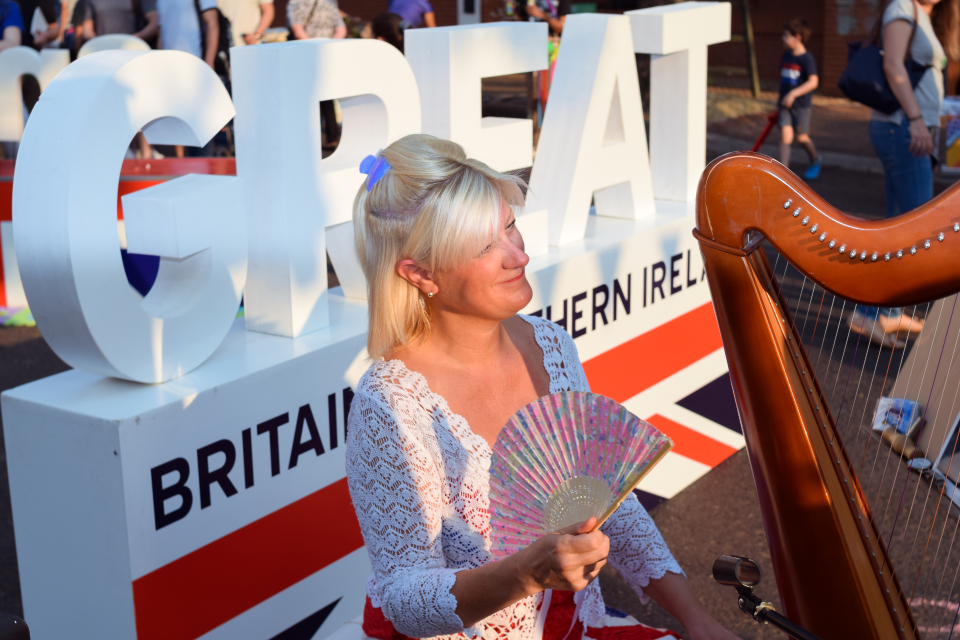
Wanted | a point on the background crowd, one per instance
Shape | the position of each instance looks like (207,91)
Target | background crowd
(204,28)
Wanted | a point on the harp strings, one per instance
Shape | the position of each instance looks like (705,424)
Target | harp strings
(926,408)
(946,520)
(930,487)
(890,449)
(922,423)
(927,564)
(883,387)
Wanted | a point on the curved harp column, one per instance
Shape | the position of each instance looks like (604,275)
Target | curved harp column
(833,572)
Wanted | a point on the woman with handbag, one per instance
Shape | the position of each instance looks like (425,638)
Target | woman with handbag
(904,140)
(319,19)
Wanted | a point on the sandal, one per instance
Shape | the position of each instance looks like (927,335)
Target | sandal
(902,323)
(873,330)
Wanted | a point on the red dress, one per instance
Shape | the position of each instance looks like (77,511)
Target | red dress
(558,625)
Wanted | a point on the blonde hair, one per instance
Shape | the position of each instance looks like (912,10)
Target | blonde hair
(434,206)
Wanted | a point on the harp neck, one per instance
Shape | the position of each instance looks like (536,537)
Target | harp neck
(889,263)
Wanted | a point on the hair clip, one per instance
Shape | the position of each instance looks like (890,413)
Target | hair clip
(375,167)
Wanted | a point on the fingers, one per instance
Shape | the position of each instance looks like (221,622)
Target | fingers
(580,579)
(580,527)
(570,558)
(582,550)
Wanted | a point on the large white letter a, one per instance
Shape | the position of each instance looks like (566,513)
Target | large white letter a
(593,142)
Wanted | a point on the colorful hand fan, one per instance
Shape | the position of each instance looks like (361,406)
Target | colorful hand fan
(563,459)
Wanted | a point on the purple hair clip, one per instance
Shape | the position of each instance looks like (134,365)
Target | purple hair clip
(375,167)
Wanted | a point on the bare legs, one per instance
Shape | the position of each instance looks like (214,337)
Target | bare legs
(786,141)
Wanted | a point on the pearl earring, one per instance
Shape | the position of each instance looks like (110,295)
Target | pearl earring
(430,294)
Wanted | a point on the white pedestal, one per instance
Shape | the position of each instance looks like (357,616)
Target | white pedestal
(270,539)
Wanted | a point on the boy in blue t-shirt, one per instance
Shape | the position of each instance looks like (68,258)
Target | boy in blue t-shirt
(798,79)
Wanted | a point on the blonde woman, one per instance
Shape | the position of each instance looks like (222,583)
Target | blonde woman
(453,361)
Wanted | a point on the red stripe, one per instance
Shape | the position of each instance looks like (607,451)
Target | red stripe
(203,589)
(640,363)
(6,214)
(692,444)
(6,200)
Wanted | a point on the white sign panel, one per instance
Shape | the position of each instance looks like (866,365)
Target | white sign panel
(212,504)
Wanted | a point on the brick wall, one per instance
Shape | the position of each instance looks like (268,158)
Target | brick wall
(833,22)
(848,21)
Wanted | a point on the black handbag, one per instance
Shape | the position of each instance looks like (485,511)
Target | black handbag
(864,80)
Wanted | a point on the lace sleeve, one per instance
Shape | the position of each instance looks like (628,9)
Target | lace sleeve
(637,549)
(398,493)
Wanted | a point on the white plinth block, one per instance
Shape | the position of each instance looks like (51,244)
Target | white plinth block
(15,63)
(105,523)
(293,193)
(593,143)
(677,36)
(66,229)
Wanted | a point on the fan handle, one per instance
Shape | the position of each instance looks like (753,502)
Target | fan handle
(630,487)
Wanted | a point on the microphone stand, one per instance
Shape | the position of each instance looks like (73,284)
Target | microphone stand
(744,574)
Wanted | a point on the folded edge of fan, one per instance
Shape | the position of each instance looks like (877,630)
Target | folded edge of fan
(627,488)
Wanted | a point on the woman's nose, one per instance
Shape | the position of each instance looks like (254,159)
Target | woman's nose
(516,257)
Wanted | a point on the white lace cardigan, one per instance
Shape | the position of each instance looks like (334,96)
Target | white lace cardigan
(419,479)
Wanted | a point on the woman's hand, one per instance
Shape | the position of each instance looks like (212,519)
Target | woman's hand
(921,142)
(567,560)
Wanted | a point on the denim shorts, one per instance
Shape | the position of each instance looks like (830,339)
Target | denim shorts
(796,117)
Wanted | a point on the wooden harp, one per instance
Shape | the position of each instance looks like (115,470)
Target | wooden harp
(832,558)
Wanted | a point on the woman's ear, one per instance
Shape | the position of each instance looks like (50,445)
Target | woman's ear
(416,275)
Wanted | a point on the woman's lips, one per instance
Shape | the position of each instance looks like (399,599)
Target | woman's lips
(522,271)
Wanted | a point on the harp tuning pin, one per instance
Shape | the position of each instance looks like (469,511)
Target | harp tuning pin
(843,248)
(823,236)
(796,212)
(956,227)
(913,249)
(863,256)
(853,253)
(886,258)
(813,229)
(832,244)
(926,244)
(786,205)
(940,237)
(805,220)
(899,254)
(873,258)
